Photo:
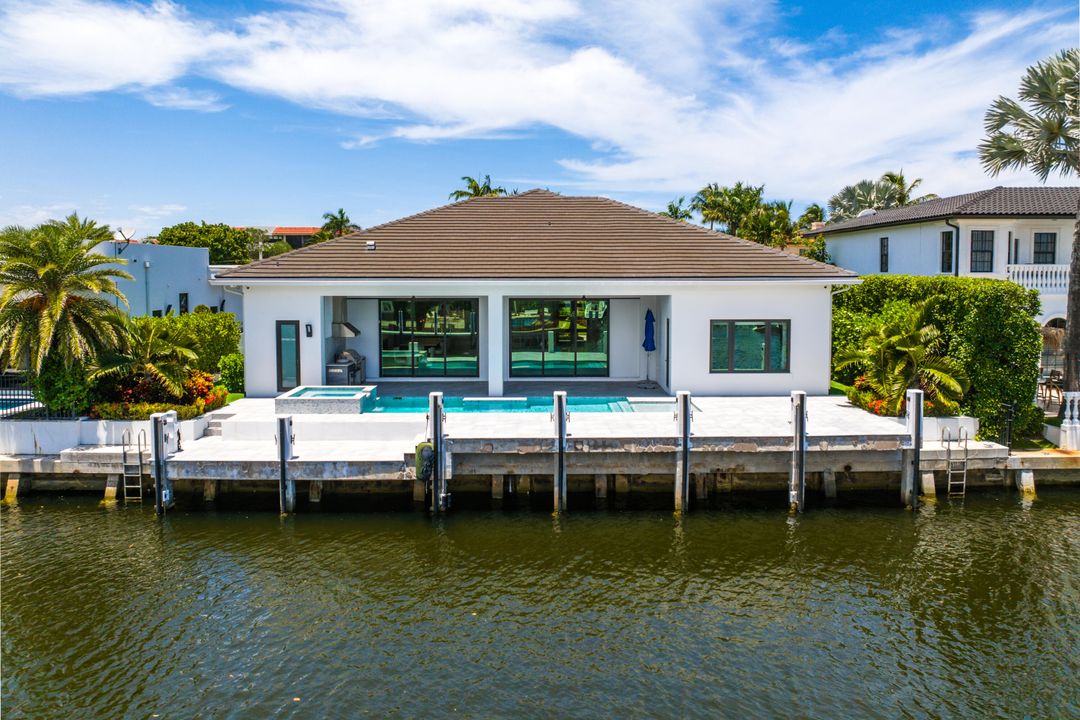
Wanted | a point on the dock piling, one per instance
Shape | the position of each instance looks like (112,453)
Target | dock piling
(683,417)
(11,488)
(440,498)
(909,474)
(797,482)
(559,417)
(163,428)
(828,483)
(286,484)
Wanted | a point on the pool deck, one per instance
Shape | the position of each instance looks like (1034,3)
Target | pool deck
(380,446)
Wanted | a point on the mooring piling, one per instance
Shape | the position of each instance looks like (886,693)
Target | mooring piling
(440,498)
(683,417)
(163,427)
(286,484)
(797,482)
(560,417)
(909,474)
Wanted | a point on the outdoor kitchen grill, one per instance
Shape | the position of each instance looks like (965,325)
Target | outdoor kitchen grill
(348,368)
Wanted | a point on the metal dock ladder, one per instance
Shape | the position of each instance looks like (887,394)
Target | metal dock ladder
(133,467)
(956,467)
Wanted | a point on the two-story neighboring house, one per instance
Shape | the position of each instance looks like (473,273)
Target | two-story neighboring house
(1023,234)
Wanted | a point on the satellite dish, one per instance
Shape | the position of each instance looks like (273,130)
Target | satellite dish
(123,235)
(867,212)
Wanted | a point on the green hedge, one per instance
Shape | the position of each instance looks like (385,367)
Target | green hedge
(987,325)
(216,335)
(231,368)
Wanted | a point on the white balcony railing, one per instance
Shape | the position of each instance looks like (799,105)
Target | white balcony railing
(1048,279)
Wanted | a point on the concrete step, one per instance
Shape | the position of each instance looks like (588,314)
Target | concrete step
(213,430)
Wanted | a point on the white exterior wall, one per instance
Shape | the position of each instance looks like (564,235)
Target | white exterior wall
(808,307)
(915,249)
(690,307)
(173,270)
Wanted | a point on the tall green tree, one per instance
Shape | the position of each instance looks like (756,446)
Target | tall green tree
(769,224)
(161,353)
(55,287)
(707,204)
(891,190)
(1040,131)
(905,191)
(338,223)
(474,188)
(731,207)
(676,210)
(863,195)
(227,245)
(813,213)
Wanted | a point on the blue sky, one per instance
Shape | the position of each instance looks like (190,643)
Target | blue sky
(147,114)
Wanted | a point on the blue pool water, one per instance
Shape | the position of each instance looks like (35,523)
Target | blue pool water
(514,405)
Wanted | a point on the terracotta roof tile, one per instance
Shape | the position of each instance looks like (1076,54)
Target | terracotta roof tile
(295,230)
(537,234)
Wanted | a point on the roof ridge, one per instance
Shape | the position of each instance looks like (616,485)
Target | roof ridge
(716,233)
(975,197)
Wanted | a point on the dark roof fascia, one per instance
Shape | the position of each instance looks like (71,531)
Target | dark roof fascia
(933,219)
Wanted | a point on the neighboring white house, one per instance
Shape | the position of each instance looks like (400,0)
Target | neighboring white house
(170,277)
(541,286)
(1023,234)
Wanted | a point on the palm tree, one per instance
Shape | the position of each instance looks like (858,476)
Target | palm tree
(863,195)
(1040,132)
(899,354)
(813,213)
(707,203)
(905,191)
(55,289)
(677,211)
(338,224)
(475,189)
(161,353)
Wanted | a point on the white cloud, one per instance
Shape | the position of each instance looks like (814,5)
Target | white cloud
(65,47)
(180,98)
(669,95)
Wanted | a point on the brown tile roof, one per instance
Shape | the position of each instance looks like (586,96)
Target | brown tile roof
(537,234)
(995,202)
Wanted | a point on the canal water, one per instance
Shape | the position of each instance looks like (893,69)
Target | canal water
(963,609)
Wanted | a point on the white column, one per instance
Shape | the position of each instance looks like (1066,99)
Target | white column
(496,344)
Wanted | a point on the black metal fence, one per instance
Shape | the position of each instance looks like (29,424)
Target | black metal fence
(17,401)
(1008,415)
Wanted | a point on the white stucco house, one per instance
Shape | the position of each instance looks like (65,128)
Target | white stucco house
(170,278)
(540,286)
(1023,234)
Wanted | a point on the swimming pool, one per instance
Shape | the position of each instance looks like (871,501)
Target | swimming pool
(543,403)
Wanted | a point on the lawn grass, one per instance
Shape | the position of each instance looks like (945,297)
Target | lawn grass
(836,388)
(233,396)
(1032,443)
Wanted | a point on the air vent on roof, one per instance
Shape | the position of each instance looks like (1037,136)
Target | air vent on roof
(867,212)
(370,245)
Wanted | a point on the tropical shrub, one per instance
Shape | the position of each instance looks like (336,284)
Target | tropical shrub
(900,354)
(213,336)
(143,410)
(817,250)
(61,387)
(986,326)
(154,353)
(231,368)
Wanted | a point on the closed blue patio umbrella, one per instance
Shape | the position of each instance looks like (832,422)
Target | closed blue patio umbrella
(649,344)
(650,332)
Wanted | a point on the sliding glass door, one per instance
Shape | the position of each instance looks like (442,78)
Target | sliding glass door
(559,338)
(429,338)
(288,354)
